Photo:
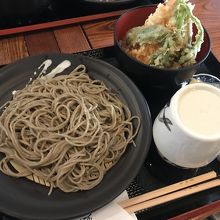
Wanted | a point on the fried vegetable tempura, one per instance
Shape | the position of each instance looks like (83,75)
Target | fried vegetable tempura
(165,39)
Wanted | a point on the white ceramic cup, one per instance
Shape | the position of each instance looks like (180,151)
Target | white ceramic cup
(186,132)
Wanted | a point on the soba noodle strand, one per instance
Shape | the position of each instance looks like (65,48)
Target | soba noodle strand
(67,130)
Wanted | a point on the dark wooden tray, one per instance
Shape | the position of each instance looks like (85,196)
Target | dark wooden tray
(153,176)
(67,13)
(150,177)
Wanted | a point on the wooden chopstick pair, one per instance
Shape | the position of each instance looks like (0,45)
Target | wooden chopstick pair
(171,192)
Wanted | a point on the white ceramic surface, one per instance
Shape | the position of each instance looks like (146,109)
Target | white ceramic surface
(176,142)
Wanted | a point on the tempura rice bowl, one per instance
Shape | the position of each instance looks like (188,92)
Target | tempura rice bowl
(143,74)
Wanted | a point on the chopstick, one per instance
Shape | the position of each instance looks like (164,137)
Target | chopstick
(168,189)
(173,196)
(171,192)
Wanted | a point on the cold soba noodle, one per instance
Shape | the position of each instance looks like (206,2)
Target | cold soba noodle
(67,130)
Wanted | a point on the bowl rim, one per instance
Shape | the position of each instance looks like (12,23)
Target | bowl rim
(154,67)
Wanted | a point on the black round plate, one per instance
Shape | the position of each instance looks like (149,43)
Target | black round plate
(25,199)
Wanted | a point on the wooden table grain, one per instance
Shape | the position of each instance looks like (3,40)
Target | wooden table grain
(77,35)
(208,11)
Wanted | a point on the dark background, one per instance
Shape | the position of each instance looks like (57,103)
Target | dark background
(11,17)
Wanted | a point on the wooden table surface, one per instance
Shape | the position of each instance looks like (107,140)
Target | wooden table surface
(85,35)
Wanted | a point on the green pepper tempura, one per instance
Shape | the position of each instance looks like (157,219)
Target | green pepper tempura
(165,40)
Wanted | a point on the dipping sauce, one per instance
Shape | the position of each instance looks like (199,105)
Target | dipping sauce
(199,110)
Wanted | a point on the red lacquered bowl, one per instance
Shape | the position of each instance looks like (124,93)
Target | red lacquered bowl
(145,74)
